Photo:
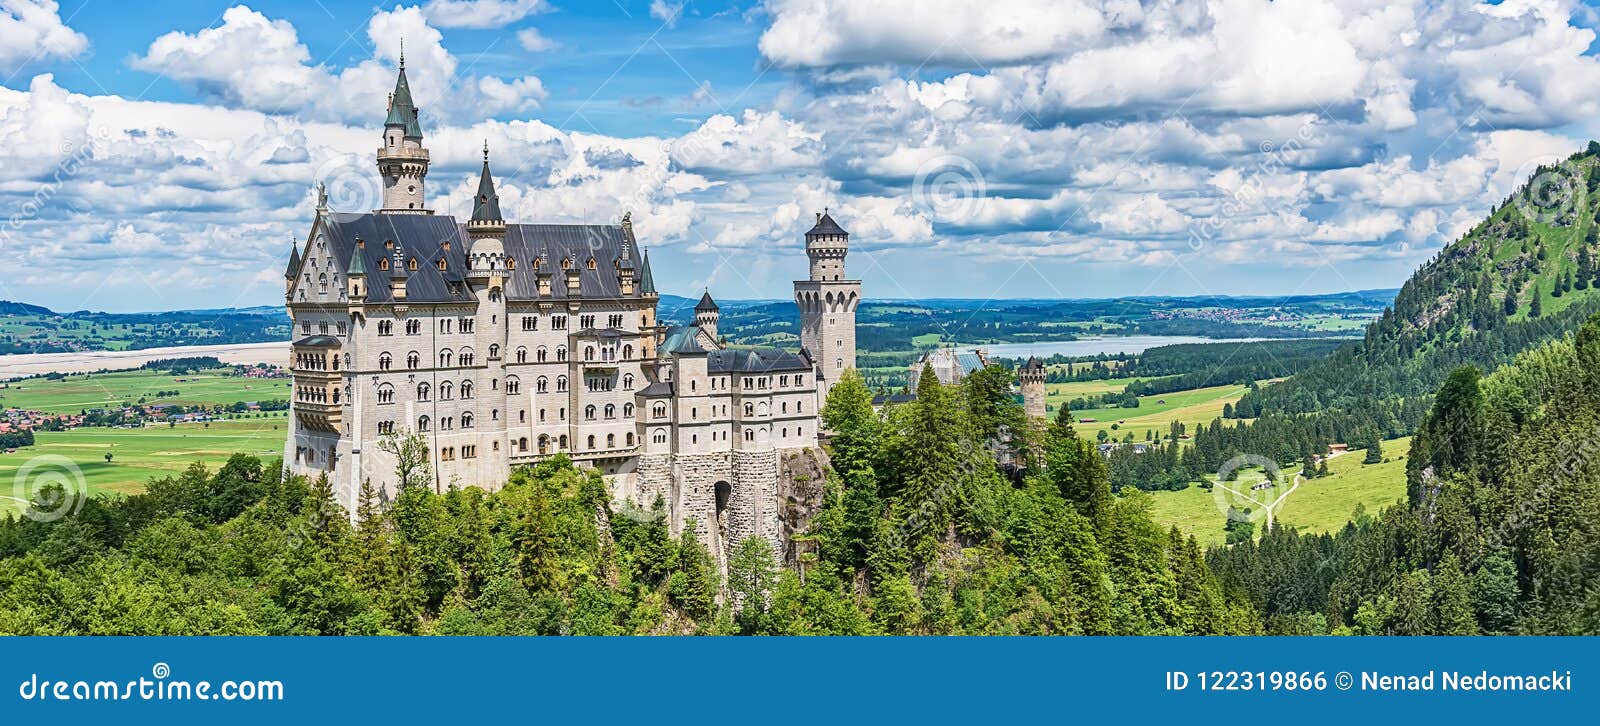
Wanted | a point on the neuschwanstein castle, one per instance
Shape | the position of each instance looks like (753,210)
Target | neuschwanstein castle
(504,344)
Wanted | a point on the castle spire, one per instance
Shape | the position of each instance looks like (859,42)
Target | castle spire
(486,206)
(402,160)
(647,281)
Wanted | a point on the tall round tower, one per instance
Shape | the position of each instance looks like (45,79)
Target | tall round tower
(706,315)
(828,303)
(402,160)
(1031,376)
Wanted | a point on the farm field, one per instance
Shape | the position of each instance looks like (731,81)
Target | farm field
(137,454)
(78,392)
(1156,413)
(1319,505)
(1324,504)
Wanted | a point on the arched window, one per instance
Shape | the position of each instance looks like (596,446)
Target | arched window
(591,442)
(466,389)
(627,410)
(385,327)
(627,381)
(494,350)
(588,412)
(445,391)
(542,385)
(413,359)
(611,410)
(466,420)
(659,410)
(561,352)
(563,441)
(627,352)
(384,361)
(422,392)
(466,357)
(838,363)
(444,358)
(561,384)
(513,384)
(588,352)
(522,354)
(541,354)
(544,444)
(749,435)
(386,393)
(630,440)
(749,409)
(611,441)
(424,424)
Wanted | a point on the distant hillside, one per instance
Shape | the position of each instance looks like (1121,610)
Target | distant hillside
(1526,275)
(34,329)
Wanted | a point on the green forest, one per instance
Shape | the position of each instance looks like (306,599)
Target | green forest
(920,534)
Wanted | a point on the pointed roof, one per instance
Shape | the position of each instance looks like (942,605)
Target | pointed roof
(294,263)
(826,226)
(358,266)
(402,110)
(647,281)
(486,207)
(707,305)
(1033,364)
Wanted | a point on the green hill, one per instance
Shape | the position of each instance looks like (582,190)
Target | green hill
(1524,276)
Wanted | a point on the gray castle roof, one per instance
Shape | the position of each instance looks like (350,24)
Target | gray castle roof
(423,236)
(755,360)
(826,226)
(706,305)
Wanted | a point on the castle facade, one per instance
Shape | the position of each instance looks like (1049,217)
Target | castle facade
(505,344)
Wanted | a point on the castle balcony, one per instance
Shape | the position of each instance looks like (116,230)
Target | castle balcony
(400,153)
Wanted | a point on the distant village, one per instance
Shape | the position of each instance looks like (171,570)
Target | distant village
(18,424)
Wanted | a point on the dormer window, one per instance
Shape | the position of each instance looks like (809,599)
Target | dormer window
(566,263)
(388,244)
(383,263)
(442,264)
(511,263)
(411,264)
(591,263)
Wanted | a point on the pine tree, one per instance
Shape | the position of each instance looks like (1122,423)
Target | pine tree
(1535,308)
(1374,452)
(1452,600)
(534,540)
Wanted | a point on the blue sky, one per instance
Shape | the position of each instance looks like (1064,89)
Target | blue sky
(163,157)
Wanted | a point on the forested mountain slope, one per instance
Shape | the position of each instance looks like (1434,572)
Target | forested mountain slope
(1498,535)
(1525,275)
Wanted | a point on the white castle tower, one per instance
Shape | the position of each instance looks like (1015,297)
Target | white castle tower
(402,161)
(828,304)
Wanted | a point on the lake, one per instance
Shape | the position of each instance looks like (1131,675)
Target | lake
(1108,344)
